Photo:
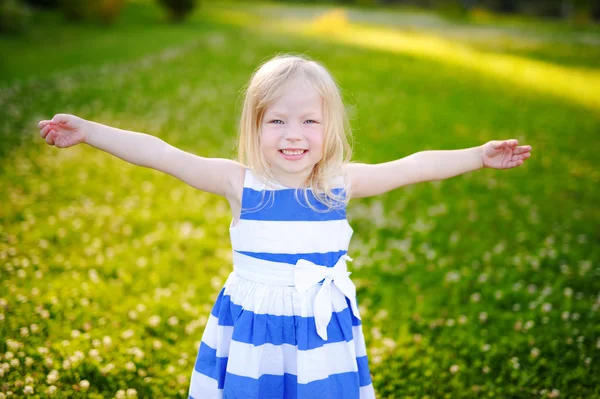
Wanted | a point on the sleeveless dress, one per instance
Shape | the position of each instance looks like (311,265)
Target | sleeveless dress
(286,323)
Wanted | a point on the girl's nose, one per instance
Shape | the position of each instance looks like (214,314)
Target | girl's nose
(292,134)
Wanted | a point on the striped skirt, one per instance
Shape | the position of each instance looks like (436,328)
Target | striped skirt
(260,341)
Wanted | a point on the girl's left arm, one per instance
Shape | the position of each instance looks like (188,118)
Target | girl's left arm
(368,180)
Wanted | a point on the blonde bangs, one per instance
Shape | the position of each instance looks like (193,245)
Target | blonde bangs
(263,89)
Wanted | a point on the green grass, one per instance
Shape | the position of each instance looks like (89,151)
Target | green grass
(496,272)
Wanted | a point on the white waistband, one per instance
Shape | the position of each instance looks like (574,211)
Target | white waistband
(263,271)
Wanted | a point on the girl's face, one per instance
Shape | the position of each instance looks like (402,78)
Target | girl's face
(292,133)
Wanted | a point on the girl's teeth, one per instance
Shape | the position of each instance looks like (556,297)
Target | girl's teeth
(292,152)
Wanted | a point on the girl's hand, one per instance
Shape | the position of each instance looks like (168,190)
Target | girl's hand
(504,154)
(64,130)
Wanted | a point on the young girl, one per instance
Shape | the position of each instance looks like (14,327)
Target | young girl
(286,323)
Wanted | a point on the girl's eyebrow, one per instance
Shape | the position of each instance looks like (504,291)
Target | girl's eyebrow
(277,113)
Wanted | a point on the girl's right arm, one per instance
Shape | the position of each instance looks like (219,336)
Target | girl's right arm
(215,175)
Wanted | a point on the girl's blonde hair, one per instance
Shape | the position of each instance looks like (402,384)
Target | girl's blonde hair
(263,89)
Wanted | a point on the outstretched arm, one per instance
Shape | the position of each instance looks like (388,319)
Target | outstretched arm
(368,180)
(215,175)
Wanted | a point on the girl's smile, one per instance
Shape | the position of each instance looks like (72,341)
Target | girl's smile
(293,154)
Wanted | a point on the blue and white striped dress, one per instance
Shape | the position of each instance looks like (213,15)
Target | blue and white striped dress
(286,323)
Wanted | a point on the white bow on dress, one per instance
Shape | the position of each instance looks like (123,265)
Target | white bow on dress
(307,274)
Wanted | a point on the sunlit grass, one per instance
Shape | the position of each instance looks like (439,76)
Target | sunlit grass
(581,86)
(485,285)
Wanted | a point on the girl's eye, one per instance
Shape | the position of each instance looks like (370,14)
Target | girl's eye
(276,121)
(311,121)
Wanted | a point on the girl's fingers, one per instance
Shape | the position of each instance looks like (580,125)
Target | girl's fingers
(523,149)
(45,131)
(50,138)
(42,123)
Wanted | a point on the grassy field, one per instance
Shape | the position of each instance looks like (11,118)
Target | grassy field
(484,285)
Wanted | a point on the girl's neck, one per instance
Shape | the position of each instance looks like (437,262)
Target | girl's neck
(293,181)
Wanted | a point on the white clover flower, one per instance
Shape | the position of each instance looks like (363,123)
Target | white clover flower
(454,369)
(529,324)
(130,366)
(66,364)
(15,362)
(546,307)
(575,316)
(173,321)
(120,394)
(387,342)
(28,390)
(29,361)
(376,333)
(107,341)
(450,322)
(132,315)
(515,363)
(475,297)
(452,276)
(34,328)
(75,333)
(156,344)
(565,315)
(13,345)
(84,384)
(555,393)
(107,369)
(127,334)
(79,355)
(52,377)
(486,369)
(131,393)
(535,352)
(462,319)
(24,332)
(486,347)
(568,292)
(154,321)
(483,316)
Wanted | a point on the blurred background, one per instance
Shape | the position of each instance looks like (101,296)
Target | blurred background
(483,285)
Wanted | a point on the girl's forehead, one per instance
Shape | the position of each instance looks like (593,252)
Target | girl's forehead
(297,93)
